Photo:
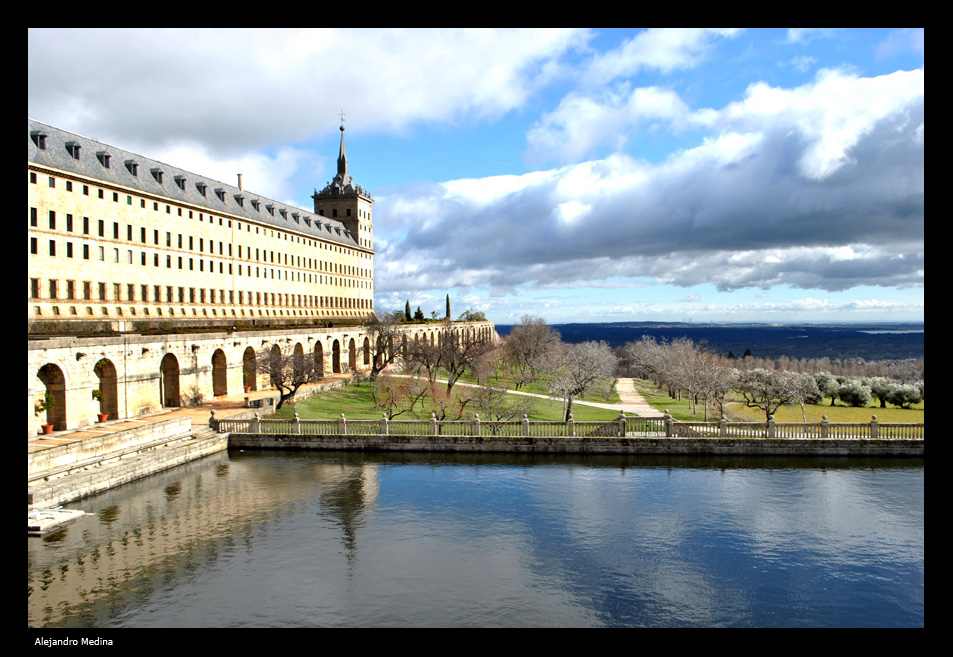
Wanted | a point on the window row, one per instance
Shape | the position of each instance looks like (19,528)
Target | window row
(70,290)
(271,232)
(190,242)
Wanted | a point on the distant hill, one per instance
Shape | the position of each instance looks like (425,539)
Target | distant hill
(836,341)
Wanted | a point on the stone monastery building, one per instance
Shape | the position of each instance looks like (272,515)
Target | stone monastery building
(149,284)
(116,236)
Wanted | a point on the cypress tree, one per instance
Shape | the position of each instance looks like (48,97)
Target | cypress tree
(448,306)
(407,311)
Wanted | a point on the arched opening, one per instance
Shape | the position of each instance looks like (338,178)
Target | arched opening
(250,369)
(367,351)
(352,355)
(336,357)
(169,381)
(219,380)
(275,363)
(105,371)
(319,359)
(52,382)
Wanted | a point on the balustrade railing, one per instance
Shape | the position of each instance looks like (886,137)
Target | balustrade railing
(622,427)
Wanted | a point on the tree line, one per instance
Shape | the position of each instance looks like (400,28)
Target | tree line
(534,353)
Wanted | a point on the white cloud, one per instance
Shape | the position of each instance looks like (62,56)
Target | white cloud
(816,187)
(242,89)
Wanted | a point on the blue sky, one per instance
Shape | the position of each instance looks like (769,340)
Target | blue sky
(577,175)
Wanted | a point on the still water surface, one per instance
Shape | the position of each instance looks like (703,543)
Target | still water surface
(260,539)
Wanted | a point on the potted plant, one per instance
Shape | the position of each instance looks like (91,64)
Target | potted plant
(99,396)
(42,406)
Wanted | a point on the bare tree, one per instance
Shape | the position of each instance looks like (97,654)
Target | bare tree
(384,334)
(576,367)
(456,352)
(528,348)
(289,370)
(768,390)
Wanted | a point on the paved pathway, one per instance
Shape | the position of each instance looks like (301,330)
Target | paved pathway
(630,400)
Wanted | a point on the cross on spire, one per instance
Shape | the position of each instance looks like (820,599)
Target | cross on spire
(342,120)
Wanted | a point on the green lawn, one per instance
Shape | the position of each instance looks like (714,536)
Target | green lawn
(355,402)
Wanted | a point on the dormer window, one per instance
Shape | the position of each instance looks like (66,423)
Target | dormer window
(180,181)
(256,204)
(271,209)
(157,174)
(103,158)
(201,186)
(283,213)
(39,138)
(240,200)
(73,148)
(220,193)
(133,167)
(294,215)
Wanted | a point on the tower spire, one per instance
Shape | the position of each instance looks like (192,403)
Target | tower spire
(342,157)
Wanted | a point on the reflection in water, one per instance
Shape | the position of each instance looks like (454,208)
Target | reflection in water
(309,539)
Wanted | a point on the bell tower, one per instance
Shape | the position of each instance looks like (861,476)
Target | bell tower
(345,201)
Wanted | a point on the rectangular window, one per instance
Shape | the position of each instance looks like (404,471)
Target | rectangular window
(33,246)
(52,181)
(52,247)
(69,249)
(115,230)
(52,220)
(69,223)
(70,290)
(102,228)
(86,252)
(85,225)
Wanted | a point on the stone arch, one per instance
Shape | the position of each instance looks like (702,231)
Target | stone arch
(336,357)
(219,376)
(250,369)
(352,355)
(318,359)
(53,382)
(105,372)
(169,381)
(367,351)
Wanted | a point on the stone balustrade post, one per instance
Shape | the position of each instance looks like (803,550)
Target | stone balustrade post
(723,427)
(212,422)
(874,429)
(476,424)
(296,427)
(825,427)
(621,424)
(570,426)
(256,424)
(770,426)
(667,421)
(525,425)
(433,424)
(342,425)
(384,425)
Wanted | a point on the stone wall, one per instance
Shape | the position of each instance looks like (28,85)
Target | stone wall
(565,445)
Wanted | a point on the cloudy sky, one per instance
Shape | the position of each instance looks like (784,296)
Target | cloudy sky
(577,175)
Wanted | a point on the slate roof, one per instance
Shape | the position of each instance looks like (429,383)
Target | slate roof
(220,198)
